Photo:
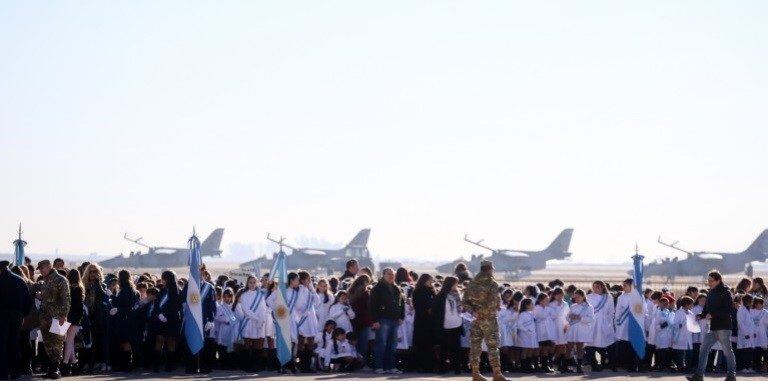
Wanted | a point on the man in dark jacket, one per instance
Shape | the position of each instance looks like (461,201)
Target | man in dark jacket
(718,309)
(15,304)
(387,313)
(351,272)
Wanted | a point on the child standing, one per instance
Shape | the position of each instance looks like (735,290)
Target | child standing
(545,331)
(526,336)
(580,319)
(747,334)
(662,333)
(681,336)
(341,312)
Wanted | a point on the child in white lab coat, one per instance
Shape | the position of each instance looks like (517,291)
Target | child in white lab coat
(760,319)
(747,333)
(341,353)
(526,335)
(321,342)
(341,312)
(545,331)
(681,337)
(580,319)
(662,333)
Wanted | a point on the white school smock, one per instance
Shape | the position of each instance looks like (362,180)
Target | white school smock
(603,333)
(223,320)
(252,313)
(580,331)
(506,319)
(545,327)
(760,319)
(663,335)
(342,314)
(746,328)
(321,310)
(304,312)
(696,337)
(526,331)
(340,349)
(321,340)
(622,316)
(682,338)
(558,313)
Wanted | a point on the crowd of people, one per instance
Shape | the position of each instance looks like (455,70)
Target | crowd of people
(398,322)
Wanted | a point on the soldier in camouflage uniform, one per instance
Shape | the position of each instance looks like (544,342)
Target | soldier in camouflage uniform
(55,304)
(482,299)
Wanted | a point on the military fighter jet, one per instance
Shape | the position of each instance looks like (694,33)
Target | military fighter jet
(515,264)
(329,260)
(699,263)
(164,257)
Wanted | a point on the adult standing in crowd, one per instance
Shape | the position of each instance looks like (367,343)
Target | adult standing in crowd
(387,313)
(55,302)
(718,308)
(483,301)
(423,333)
(15,304)
(446,314)
(360,301)
(351,270)
(75,318)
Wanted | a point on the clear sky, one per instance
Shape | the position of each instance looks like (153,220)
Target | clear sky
(421,120)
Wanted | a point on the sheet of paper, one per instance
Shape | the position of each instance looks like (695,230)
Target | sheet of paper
(59,329)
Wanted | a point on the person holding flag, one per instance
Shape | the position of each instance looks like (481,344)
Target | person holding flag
(630,317)
(196,294)
(277,302)
(251,310)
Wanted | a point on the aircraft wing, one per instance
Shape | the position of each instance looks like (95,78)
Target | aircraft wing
(514,254)
(313,252)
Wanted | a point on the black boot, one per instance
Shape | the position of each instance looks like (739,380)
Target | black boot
(170,361)
(156,361)
(578,367)
(53,371)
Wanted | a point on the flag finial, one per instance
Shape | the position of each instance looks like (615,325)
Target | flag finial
(20,230)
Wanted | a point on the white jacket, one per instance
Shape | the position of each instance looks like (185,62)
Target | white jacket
(342,314)
(746,328)
(581,317)
(252,313)
(603,333)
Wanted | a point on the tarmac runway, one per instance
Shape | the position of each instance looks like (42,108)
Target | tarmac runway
(226,376)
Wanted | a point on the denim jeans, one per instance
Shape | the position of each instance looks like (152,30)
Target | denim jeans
(385,345)
(723,336)
(362,343)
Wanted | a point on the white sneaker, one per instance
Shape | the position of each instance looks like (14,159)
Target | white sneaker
(380,371)
(394,371)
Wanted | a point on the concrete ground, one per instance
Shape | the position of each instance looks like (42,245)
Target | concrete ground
(225,376)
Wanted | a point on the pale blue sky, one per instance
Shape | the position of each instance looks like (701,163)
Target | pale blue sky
(423,121)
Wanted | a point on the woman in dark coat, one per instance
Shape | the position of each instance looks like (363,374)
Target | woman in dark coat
(123,319)
(166,321)
(423,326)
(359,300)
(98,305)
(75,318)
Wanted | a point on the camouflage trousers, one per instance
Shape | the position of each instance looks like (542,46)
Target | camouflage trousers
(53,343)
(487,329)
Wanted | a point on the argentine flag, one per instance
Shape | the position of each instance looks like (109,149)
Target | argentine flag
(18,250)
(280,309)
(193,310)
(637,306)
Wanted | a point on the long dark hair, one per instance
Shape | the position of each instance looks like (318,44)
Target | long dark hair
(358,286)
(336,332)
(124,281)
(402,276)
(74,280)
(448,284)
(291,277)
(423,284)
(169,282)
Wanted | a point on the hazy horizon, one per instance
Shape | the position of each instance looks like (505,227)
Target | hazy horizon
(422,121)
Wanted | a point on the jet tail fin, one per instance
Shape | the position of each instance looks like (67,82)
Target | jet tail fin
(758,250)
(361,239)
(561,244)
(210,246)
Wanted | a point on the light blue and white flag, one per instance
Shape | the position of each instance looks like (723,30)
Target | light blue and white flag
(637,306)
(280,309)
(193,309)
(18,250)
